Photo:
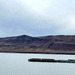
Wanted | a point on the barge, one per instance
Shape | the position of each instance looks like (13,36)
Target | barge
(51,60)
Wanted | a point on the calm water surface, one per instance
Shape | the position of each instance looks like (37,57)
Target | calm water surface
(17,64)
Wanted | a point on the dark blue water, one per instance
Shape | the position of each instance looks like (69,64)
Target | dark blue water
(17,64)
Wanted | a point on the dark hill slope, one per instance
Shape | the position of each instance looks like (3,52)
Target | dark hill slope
(45,44)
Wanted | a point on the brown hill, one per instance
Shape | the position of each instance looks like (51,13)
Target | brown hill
(45,44)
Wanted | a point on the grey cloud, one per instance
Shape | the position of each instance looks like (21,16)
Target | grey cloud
(17,17)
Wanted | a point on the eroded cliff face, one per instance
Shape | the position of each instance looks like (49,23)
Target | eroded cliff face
(45,44)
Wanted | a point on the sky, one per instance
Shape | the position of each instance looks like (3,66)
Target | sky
(37,17)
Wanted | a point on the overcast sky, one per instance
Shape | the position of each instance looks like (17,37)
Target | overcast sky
(37,17)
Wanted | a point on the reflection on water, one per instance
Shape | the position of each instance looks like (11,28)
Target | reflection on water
(17,64)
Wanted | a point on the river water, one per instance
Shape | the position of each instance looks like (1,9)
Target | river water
(17,64)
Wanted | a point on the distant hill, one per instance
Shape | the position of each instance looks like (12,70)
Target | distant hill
(43,44)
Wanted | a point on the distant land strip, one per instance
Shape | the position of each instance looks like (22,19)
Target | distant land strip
(59,44)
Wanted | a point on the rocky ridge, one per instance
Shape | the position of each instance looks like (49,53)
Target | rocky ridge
(44,44)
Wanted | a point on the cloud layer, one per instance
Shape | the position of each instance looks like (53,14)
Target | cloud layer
(37,17)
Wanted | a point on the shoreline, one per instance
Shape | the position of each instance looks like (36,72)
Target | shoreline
(37,53)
